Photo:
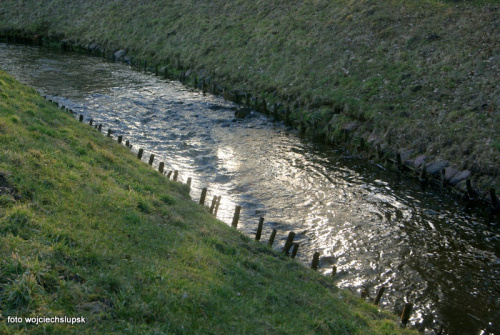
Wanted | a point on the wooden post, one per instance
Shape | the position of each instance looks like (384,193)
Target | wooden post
(203,195)
(161,167)
(295,249)
(139,154)
(90,122)
(236,216)
(99,127)
(189,184)
(271,239)
(286,249)
(214,202)
(315,261)
(120,139)
(109,132)
(217,206)
(259,229)
(422,172)
(334,271)
(470,191)
(443,177)
(379,151)
(176,173)
(405,316)
(379,295)
(169,174)
(127,143)
(494,200)
(364,293)
(398,161)
(151,159)
(81,118)
(288,243)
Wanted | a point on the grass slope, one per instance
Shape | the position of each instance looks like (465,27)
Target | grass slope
(418,75)
(88,230)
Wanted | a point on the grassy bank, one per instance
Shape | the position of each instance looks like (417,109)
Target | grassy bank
(419,75)
(87,230)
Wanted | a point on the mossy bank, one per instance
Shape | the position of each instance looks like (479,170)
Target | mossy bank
(87,230)
(419,75)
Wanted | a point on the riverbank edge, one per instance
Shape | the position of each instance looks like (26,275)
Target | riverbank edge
(351,134)
(40,252)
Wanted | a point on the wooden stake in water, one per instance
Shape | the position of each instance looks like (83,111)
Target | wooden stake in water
(364,293)
(203,195)
(151,159)
(81,118)
(217,206)
(286,249)
(494,200)
(288,243)
(259,229)
(99,127)
(109,132)
(271,239)
(90,122)
(161,167)
(405,316)
(236,216)
(470,191)
(379,295)
(176,174)
(295,249)
(120,138)
(127,143)
(361,144)
(214,202)
(189,180)
(315,261)
(139,153)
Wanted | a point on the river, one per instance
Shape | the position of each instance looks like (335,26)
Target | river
(376,227)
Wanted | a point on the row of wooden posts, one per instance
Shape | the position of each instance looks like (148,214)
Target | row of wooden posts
(289,246)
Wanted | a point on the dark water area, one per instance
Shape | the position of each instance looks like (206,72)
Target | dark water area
(378,228)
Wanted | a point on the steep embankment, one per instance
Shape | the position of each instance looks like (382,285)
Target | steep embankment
(419,75)
(87,230)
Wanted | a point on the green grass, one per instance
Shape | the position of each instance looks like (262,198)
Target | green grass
(400,68)
(87,230)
